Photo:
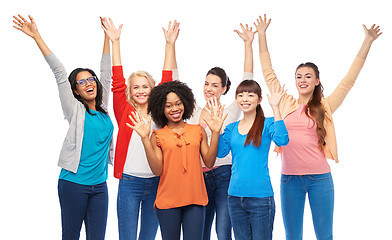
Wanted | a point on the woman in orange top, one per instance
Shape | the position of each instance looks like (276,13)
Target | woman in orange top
(173,153)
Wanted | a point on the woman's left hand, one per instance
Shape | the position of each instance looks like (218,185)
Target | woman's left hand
(372,33)
(276,95)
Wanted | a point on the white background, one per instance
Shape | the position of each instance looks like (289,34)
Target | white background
(328,33)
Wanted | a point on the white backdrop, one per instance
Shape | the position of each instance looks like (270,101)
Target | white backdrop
(328,33)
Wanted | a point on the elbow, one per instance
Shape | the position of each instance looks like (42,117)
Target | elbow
(283,141)
(157,173)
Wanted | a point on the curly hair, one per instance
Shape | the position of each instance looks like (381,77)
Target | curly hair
(157,101)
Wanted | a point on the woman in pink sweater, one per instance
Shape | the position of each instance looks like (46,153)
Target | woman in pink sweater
(312,137)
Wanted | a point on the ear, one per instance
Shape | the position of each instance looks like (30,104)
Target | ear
(261,98)
(224,90)
(76,92)
(317,81)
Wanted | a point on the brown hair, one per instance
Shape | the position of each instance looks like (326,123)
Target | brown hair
(314,109)
(255,132)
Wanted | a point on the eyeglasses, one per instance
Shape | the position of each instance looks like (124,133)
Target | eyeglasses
(82,82)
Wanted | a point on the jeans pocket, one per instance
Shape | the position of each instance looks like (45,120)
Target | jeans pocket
(285,179)
(320,177)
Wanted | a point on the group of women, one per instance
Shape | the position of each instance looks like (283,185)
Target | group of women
(179,165)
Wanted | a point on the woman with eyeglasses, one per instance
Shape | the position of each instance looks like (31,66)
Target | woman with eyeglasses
(85,154)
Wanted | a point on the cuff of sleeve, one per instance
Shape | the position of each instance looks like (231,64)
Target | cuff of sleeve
(248,76)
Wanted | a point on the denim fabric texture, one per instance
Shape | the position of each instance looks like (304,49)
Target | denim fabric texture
(251,217)
(137,195)
(190,217)
(83,203)
(320,190)
(217,183)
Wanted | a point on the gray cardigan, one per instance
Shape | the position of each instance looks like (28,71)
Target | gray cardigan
(74,111)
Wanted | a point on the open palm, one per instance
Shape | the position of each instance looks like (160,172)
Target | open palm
(29,28)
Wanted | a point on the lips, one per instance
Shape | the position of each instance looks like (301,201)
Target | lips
(90,90)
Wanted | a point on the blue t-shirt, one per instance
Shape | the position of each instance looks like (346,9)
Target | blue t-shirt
(93,165)
(250,174)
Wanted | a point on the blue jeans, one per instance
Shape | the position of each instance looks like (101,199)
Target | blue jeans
(136,194)
(83,203)
(191,218)
(320,190)
(251,217)
(217,183)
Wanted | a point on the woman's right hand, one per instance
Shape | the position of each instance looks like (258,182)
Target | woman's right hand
(109,28)
(29,28)
(139,125)
(262,24)
(247,34)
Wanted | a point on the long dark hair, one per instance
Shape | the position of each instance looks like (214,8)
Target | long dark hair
(98,98)
(314,109)
(256,131)
(217,71)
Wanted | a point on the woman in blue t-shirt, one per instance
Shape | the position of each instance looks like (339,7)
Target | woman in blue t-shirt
(251,202)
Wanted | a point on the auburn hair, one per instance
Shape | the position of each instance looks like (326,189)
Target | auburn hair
(314,109)
(255,132)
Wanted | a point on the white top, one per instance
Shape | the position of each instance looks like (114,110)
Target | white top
(136,163)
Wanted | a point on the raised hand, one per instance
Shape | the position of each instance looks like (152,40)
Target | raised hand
(262,24)
(276,95)
(29,28)
(247,34)
(216,121)
(372,33)
(111,30)
(139,125)
(172,32)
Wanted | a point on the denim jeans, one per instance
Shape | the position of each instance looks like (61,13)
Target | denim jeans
(217,183)
(190,217)
(251,217)
(320,190)
(136,194)
(83,203)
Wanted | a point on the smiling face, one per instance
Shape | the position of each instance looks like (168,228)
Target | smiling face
(248,101)
(174,108)
(87,92)
(306,80)
(213,87)
(139,89)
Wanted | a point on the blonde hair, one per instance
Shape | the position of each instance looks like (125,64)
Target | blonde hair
(145,74)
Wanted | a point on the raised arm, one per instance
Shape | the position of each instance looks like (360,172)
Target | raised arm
(31,30)
(247,35)
(171,35)
(106,69)
(113,34)
(345,85)
(269,74)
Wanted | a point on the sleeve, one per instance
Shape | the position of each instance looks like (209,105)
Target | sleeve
(119,96)
(224,142)
(67,98)
(345,85)
(248,76)
(159,141)
(169,75)
(106,77)
(278,133)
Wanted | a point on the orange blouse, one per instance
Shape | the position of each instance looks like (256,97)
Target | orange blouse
(181,182)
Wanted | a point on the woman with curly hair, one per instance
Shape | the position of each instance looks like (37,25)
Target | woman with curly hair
(312,137)
(137,183)
(217,179)
(85,153)
(173,153)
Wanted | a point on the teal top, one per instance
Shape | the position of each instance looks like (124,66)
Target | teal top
(93,165)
